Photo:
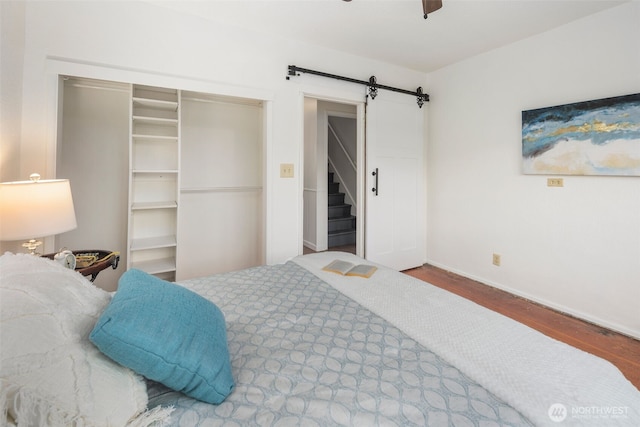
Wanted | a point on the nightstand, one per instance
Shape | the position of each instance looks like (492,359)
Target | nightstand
(104,260)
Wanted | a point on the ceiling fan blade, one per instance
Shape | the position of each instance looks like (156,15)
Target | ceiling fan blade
(429,6)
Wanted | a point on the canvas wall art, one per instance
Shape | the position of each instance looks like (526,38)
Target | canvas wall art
(598,137)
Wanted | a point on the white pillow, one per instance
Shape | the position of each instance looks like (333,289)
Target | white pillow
(50,373)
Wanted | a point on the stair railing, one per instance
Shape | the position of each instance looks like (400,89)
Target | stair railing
(337,172)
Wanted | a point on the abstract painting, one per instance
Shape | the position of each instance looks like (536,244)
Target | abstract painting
(599,137)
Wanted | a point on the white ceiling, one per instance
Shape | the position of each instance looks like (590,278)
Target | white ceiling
(394,31)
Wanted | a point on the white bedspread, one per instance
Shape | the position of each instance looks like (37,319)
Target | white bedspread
(548,381)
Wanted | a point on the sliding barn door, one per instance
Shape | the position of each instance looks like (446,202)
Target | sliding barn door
(395,194)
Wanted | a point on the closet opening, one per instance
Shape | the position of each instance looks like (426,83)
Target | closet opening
(172,179)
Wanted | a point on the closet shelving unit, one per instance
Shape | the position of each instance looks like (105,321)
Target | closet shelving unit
(154,180)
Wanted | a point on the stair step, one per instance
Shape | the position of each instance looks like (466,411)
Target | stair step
(342,224)
(341,239)
(336,199)
(339,211)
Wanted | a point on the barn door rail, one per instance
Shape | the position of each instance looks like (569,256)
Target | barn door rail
(372,83)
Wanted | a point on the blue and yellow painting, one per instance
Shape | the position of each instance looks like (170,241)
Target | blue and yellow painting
(599,137)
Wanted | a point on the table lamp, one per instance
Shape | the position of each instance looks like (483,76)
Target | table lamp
(35,208)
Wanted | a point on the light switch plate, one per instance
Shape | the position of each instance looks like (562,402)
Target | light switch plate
(286,170)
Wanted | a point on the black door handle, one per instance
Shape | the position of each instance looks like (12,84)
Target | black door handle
(375,174)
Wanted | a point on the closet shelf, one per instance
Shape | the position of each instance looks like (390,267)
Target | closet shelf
(161,138)
(155,103)
(155,171)
(139,206)
(155,120)
(237,189)
(164,265)
(153,243)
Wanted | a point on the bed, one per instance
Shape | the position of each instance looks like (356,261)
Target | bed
(303,347)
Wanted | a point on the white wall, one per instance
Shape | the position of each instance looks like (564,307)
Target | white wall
(142,43)
(12,16)
(576,248)
(11,61)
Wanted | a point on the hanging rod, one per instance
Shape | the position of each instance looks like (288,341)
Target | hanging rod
(372,83)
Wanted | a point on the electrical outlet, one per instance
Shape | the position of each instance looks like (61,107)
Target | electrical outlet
(555,182)
(286,170)
(496,260)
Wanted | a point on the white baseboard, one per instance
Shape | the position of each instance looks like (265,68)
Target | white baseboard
(310,245)
(553,305)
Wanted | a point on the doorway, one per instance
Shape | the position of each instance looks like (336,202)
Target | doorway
(333,202)
(391,196)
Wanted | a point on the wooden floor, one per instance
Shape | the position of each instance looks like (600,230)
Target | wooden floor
(621,350)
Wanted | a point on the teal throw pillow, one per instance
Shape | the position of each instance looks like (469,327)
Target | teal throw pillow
(168,334)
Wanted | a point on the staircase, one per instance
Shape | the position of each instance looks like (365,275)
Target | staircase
(342,225)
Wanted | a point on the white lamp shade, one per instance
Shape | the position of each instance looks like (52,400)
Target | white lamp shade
(31,209)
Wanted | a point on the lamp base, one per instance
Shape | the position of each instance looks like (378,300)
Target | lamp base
(31,246)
